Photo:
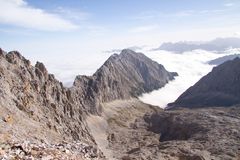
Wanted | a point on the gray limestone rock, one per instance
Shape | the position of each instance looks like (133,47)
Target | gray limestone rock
(221,87)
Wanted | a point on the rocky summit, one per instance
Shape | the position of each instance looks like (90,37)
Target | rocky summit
(221,87)
(122,76)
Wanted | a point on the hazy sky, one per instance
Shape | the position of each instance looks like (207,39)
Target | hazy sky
(77,31)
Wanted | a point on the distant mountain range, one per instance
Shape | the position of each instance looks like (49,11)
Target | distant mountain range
(218,45)
(223,59)
(221,87)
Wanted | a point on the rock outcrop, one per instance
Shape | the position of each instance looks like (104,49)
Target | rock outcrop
(221,87)
(37,107)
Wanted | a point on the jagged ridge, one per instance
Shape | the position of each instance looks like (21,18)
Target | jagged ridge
(123,76)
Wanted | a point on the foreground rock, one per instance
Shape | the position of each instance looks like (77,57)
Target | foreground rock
(221,87)
(61,151)
(35,105)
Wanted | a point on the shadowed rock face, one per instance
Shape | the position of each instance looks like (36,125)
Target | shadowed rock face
(123,76)
(221,87)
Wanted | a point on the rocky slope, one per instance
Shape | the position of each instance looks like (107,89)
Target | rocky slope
(200,134)
(221,87)
(122,76)
(37,108)
(29,93)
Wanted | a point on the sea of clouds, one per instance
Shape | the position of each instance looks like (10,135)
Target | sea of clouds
(191,67)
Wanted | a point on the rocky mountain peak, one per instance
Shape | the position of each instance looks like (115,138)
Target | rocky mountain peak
(1,52)
(41,70)
(221,87)
(16,58)
(127,52)
(123,76)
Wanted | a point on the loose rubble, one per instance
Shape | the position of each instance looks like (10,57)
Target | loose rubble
(27,150)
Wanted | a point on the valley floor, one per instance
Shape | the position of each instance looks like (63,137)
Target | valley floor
(132,130)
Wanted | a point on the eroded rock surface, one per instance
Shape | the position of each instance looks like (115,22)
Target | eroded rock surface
(200,134)
(122,76)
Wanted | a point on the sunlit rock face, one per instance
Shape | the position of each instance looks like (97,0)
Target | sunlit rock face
(123,76)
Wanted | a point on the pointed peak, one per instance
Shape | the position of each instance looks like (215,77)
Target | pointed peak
(41,67)
(1,52)
(127,51)
(16,58)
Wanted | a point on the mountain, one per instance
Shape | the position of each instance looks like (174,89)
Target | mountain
(218,45)
(38,114)
(37,110)
(221,87)
(122,76)
(223,59)
(100,118)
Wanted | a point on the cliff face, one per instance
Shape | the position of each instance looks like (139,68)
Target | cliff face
(29,93)
(221,87)
(123,76)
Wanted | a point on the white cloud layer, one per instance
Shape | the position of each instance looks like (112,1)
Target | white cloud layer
(20,13)
(191,66)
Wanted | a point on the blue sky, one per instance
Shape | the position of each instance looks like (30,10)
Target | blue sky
(126,22)
(80,30)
